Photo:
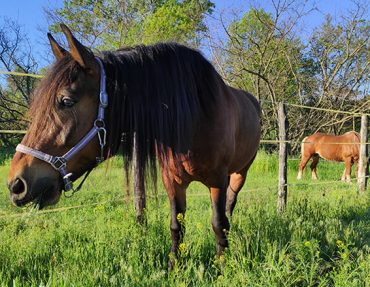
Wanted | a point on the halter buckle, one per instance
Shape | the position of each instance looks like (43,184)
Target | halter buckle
(59,162)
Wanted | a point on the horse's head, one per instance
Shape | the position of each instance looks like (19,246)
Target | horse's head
(63,110)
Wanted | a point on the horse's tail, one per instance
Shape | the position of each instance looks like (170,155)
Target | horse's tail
(357,135)
(356,139)
(302,145)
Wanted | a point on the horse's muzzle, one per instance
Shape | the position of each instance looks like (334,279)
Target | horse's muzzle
(43,192)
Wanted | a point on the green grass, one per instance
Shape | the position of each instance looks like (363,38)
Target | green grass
(323,238)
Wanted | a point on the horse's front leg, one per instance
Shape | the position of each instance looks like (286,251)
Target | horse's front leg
(177,197)
(220,223)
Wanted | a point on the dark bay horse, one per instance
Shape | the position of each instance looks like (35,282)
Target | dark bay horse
(342,148)
(182,113)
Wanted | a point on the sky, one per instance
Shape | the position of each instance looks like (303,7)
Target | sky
(30,15)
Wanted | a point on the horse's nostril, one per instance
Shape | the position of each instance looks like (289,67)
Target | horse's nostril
(17,187)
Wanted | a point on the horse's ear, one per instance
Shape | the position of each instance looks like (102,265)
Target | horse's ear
(58,51)
(79,52)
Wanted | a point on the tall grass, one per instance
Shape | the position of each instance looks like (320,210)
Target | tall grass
(323,238)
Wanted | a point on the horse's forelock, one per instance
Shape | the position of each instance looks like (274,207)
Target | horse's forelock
(42,111)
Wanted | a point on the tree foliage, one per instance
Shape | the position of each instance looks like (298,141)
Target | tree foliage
(109,24)
(266,55)
(16,56)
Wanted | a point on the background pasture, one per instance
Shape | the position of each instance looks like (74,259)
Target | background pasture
(323,238)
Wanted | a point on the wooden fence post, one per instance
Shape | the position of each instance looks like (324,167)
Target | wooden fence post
(362,162)
(283,155)
(139,188)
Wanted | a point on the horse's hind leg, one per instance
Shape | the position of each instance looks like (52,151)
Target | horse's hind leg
(315,161)
(347,171)
(236,183)
(302,164)
(220,223)
(177,196)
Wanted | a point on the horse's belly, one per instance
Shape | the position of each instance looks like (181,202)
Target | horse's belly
(330,155)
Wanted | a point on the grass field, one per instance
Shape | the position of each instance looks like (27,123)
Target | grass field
(323,238)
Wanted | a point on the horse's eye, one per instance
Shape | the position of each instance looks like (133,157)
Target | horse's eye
(67,102)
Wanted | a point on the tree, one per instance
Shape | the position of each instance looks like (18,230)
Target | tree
(341,53)
(264,56)
(15,56)
(111,24)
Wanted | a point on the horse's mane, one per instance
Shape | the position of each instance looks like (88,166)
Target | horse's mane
(160,93)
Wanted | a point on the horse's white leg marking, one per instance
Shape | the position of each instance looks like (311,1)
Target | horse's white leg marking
(314,175)
(302,163)
(299,176)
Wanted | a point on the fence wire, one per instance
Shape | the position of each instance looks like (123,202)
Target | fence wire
(5,215)
(358,114)
(21,74)
(272,188)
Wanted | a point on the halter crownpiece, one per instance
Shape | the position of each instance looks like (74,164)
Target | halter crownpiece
(60,162)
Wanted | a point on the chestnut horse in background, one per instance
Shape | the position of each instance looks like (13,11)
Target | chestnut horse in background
(344,148)
(169,96)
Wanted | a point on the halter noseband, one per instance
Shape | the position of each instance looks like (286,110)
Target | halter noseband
(60,162)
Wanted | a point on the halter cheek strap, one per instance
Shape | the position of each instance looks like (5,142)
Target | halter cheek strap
(60,162)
